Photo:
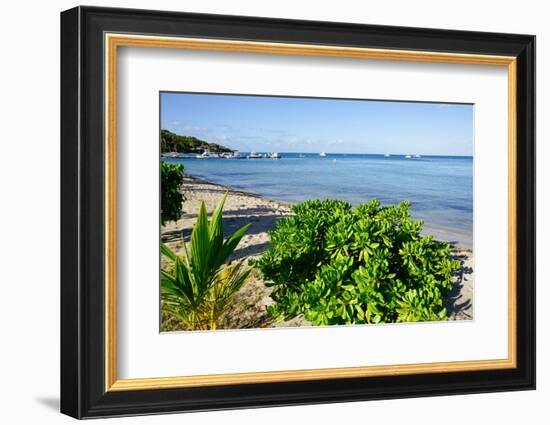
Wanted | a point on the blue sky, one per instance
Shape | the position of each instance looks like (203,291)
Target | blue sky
(284,124)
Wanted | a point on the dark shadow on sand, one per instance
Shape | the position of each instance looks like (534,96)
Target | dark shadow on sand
(252,250)
(260,219)
(460,310)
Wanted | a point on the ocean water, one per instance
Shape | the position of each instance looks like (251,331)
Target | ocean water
(439,187)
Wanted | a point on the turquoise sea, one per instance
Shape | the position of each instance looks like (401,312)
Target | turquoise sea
(439,187)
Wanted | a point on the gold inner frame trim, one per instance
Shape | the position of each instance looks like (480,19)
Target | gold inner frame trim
(113,41)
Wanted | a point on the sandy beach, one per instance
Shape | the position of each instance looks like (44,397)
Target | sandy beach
(249,309)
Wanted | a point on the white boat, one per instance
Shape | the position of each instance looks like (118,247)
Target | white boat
(322,154)
(170,155)
(275,155)
(408,156)
(254,155)
(387,155)
(417,156)
(205,155)
(231,155)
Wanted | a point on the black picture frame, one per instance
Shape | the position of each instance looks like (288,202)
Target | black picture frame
(83,392)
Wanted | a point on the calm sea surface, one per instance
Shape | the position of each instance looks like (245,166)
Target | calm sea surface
(439,187)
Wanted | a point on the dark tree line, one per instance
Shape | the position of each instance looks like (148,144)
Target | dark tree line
(171,142)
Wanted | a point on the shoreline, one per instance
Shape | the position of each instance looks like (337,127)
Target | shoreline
(245,207)
(235,190)
(439,233)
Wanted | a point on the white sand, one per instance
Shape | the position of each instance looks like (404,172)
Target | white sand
(240,209)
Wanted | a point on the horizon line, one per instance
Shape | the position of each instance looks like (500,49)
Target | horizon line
(345,153)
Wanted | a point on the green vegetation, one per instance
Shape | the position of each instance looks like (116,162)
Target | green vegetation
(171,142)
(198,287)
(368,264)
(171,196)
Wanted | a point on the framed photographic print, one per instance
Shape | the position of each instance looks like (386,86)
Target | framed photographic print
(261,212)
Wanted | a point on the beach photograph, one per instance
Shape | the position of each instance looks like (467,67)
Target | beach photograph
(281,211)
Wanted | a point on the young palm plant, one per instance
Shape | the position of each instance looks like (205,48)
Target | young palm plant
(198,287)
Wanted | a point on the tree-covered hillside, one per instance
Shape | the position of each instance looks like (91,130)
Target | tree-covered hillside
(171,142)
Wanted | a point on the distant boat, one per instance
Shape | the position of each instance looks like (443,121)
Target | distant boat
(387,155)
(408,156)
(205,155)
(417,156)
(231,155)
(170,155)
(254,155)
(275,155)
(322,154)
(301,156)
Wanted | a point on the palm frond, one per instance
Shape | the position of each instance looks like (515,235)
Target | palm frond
(199,286)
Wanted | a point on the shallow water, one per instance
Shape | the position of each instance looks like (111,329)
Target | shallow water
(439,187)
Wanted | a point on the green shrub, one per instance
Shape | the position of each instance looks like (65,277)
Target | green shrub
(368,264)
(171,196)
(200,284)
